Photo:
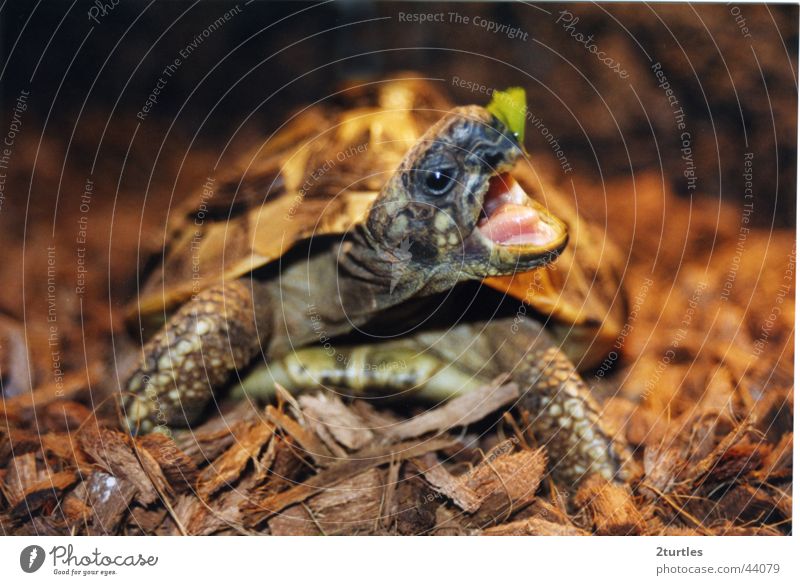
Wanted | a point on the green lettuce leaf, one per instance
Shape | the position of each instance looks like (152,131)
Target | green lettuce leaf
(509,107)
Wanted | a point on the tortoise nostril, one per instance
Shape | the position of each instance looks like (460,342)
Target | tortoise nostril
(493,159)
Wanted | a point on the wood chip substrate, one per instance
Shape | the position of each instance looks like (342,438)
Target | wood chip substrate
(700,387)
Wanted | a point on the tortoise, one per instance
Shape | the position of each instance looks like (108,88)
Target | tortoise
(384,244)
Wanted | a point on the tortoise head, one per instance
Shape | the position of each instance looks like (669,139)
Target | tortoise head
(452,212)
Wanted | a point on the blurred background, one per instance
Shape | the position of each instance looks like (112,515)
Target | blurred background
(135,104)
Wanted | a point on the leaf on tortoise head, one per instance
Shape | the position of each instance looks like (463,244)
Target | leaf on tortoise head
(510,107)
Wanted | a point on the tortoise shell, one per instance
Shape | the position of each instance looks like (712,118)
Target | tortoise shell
(319,173)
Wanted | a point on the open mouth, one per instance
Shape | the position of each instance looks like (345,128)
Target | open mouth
(510,218)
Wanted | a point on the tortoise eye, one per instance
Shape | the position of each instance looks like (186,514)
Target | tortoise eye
(440,181)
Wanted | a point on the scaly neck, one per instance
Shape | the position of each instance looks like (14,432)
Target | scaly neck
(374,278)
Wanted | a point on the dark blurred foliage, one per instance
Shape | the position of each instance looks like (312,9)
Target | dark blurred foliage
(738,93)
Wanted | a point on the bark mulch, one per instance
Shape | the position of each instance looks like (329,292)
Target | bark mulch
(700,387)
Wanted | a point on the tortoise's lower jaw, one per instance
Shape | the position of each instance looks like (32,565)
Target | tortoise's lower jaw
(519,232)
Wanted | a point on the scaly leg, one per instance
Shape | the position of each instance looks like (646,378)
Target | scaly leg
(195,353)
(565,417)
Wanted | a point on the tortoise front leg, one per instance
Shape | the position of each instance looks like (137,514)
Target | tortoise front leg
(566,419)
(209,338)
(388,369)
(564,416)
